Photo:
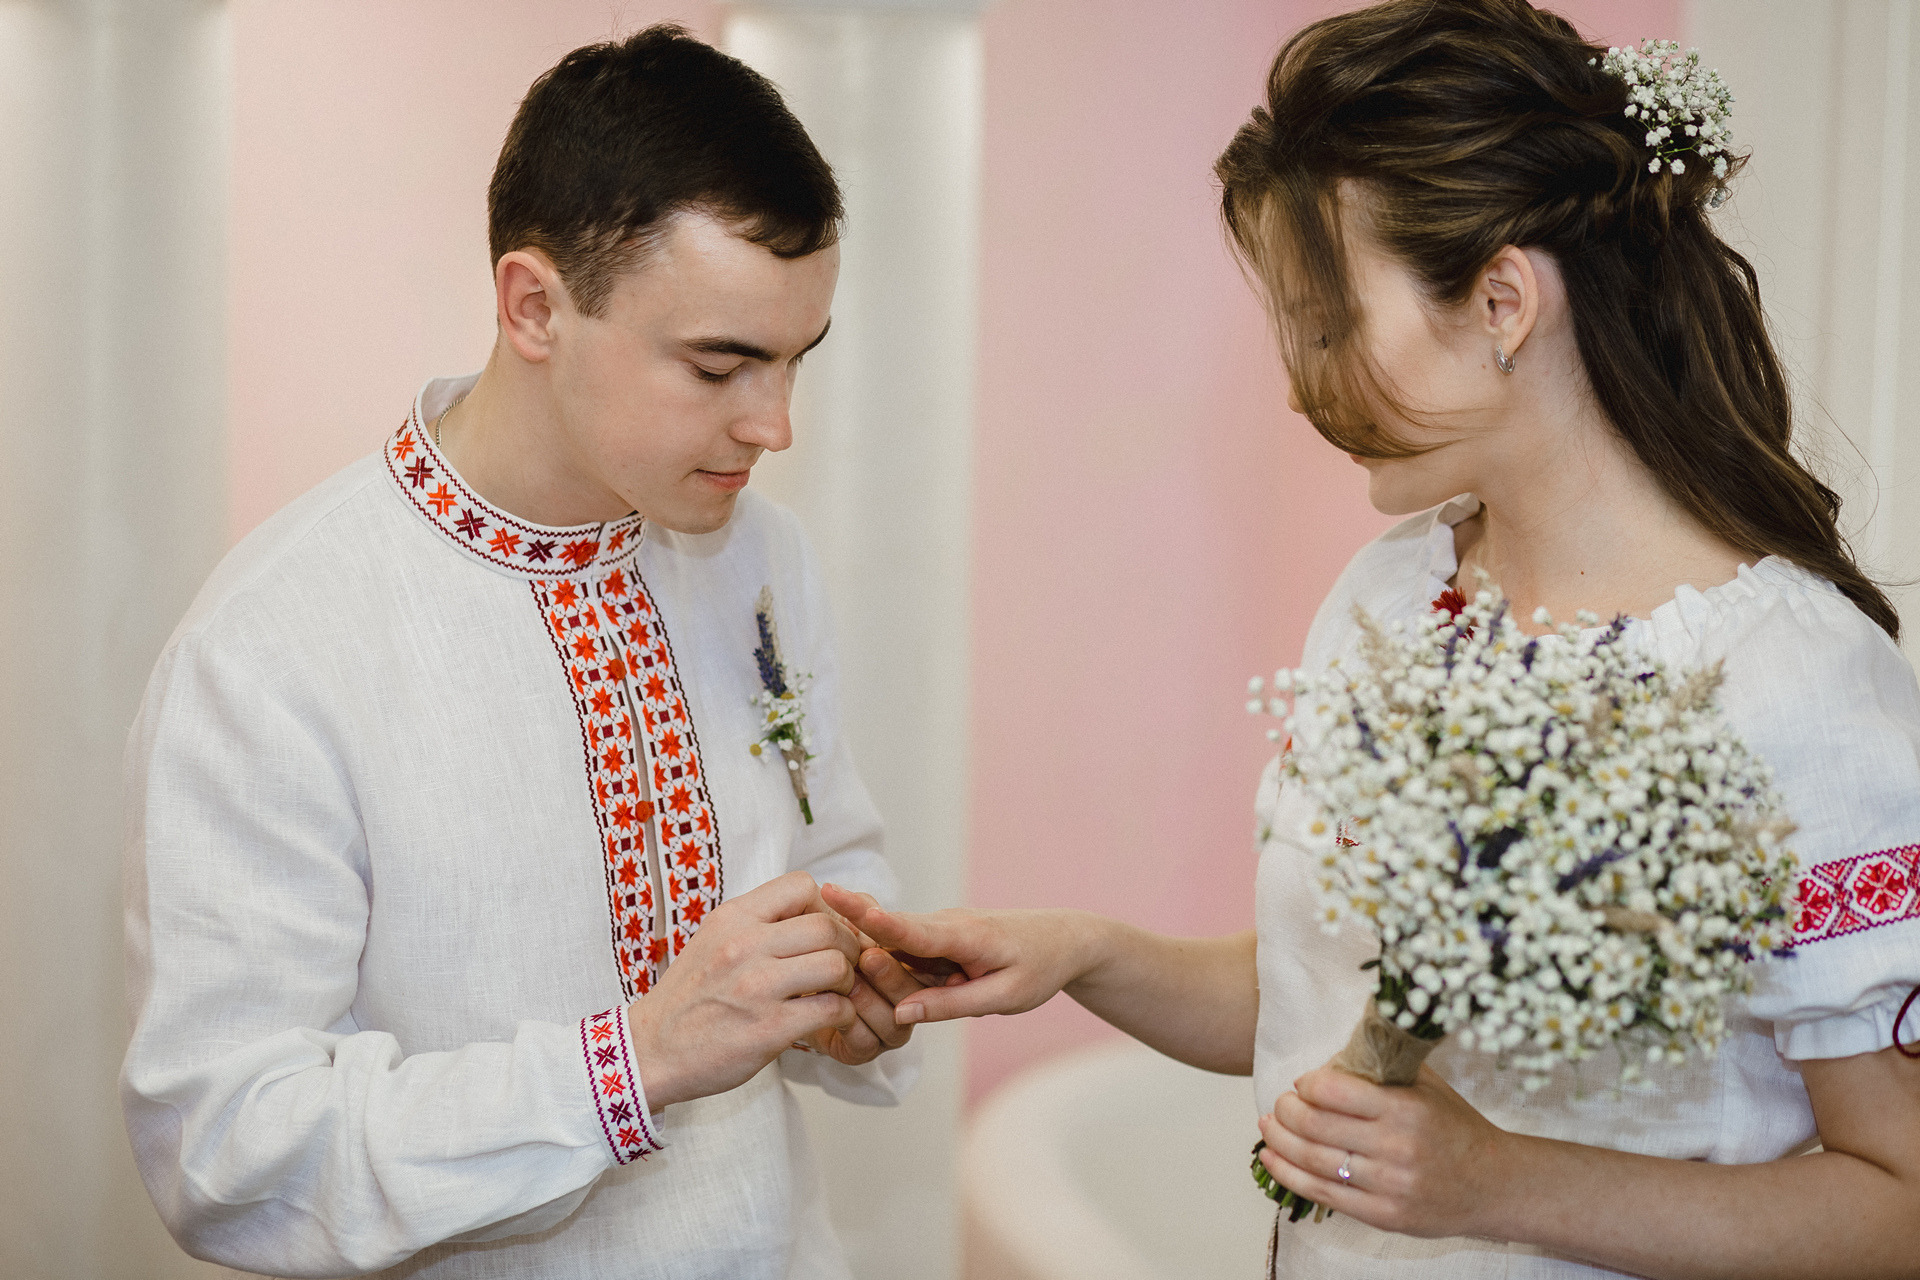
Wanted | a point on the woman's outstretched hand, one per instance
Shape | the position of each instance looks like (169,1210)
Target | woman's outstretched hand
(1010,961)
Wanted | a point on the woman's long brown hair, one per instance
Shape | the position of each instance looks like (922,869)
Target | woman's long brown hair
(1459,127)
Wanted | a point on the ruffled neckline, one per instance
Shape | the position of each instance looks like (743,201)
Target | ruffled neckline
(1685,613)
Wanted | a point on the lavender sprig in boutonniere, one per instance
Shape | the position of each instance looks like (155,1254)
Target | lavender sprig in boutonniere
(780,699)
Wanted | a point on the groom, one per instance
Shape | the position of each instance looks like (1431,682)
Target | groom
(473,927)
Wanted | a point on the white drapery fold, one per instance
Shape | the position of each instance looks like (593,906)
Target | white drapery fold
(113,128)
(881,476)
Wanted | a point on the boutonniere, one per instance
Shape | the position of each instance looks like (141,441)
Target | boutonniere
(780,700)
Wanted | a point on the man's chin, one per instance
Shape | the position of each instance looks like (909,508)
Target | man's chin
(705,518)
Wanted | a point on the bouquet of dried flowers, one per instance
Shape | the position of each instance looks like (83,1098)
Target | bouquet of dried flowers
(1558,843)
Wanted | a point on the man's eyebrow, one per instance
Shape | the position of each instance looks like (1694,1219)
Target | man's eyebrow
(735,347)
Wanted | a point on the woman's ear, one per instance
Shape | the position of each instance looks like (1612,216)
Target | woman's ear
(1506,299)
(527,291)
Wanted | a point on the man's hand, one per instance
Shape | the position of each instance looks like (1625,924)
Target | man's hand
(883,984)
(766,969)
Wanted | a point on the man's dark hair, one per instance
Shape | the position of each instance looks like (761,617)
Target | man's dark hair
(616,138)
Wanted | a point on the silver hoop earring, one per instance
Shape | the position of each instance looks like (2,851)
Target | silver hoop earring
(1501,358)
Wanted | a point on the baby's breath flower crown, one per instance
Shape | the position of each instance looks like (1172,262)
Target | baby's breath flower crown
(1685,109)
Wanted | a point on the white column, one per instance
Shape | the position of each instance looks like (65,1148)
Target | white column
(881,475)
(113,127)
(1824,101)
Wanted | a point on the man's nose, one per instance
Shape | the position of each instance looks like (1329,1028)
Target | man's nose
(769,423)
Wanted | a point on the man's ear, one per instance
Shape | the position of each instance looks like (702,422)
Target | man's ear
(1506,299)
(527,292)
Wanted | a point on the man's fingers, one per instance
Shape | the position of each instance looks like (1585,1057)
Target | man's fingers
(862,1041)
(798,935)
(781,898)
(876,1014)
(889,977)
(801,1017)
(815,971)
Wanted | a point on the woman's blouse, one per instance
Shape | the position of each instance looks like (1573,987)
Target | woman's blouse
(1828,701)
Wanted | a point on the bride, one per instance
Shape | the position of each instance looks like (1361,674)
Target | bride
(1513,311)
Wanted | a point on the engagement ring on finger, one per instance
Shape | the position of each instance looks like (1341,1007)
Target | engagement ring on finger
(1343,1172)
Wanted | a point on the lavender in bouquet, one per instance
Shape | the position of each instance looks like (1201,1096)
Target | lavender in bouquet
(1557,841)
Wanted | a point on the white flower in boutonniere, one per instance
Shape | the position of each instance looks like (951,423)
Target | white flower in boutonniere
(781,699)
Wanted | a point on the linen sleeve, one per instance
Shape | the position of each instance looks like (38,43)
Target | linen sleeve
(1825,698)
(274,1134)
(844,842)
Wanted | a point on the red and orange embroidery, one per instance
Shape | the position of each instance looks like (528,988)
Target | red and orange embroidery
(465,519)
(633,717)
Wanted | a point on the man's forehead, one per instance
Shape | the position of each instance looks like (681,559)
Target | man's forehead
(702,281)
(697,242)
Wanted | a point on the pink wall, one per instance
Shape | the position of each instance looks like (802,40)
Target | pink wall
(364,135)
(1153,526)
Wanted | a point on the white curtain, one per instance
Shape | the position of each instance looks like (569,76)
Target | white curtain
(881,475)
(113,121)
(1825,99)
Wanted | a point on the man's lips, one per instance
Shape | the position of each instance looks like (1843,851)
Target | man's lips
(731,481)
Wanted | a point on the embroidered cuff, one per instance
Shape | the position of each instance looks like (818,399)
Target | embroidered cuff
(617,1095)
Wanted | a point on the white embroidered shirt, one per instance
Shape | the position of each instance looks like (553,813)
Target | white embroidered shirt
(1826,699)
(420,797)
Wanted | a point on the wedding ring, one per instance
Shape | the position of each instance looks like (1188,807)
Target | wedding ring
(1343,1172)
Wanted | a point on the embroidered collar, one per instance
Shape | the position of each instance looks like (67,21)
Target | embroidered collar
(480,529)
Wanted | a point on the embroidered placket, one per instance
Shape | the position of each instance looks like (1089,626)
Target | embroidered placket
(648,787)
(643,766)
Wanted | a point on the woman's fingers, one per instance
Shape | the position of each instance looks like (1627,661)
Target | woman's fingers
(854,906)
(1316,1124)
(1308,1169)
(915,934)
(1332,1089)
(996,993)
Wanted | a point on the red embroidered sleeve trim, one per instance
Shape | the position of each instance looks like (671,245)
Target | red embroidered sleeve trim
(615,1086)
(487,533)
(633,716)
(1853,894)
